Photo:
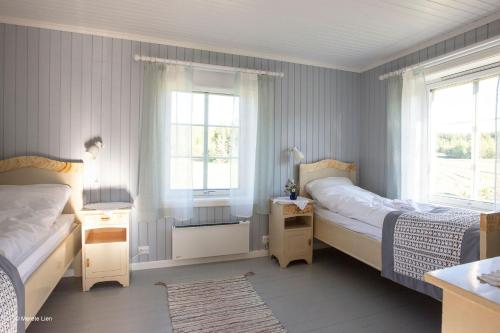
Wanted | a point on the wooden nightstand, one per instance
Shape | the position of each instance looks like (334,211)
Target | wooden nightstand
(291,233)
(105,246)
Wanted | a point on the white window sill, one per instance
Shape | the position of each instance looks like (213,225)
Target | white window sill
(210,202)
(461,203)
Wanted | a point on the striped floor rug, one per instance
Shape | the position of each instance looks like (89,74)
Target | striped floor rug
(230,305)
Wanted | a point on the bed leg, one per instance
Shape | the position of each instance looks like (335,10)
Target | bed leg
(490,235)
(77,264)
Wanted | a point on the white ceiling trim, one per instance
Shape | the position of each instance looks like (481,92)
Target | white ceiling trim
(433,41)
(147,39)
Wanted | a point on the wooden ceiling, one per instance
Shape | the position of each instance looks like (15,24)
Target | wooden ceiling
(345,34)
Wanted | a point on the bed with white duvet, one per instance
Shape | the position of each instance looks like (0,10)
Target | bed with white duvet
(354,205)
(32,224)
(413,238)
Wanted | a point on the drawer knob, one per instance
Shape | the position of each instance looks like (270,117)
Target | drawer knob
(105,218)
(88,262)
(309,242)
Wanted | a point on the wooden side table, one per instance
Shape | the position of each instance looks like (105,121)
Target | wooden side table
(468,304)
(105,246)
(291,233)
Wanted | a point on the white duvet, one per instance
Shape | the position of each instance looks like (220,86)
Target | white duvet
(26,214)
(340,196)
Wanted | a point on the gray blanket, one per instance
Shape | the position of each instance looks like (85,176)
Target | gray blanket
(414,243)
(11,298)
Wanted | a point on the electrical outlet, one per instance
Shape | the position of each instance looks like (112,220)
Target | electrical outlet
(265,240)
(143,250)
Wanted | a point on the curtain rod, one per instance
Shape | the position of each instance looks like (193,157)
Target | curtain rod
(492,42)
(208,66)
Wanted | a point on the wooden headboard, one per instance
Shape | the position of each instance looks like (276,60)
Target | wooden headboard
(25,170)
(322,169)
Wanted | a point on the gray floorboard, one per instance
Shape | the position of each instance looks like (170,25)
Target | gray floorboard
(334,294)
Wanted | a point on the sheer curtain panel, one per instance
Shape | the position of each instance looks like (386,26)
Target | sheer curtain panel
(265,145)
(241,194)
(497,139)
(165,165)
(393,167)
(414,137)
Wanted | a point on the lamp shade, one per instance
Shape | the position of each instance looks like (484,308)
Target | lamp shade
(297,154)
(93,150)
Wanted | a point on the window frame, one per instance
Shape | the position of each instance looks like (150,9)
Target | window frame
(474,78)
(208,197)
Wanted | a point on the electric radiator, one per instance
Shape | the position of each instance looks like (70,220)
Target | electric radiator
(189,242)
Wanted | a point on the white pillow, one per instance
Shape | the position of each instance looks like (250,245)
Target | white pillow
(317,184)
(342,197)
(41,203)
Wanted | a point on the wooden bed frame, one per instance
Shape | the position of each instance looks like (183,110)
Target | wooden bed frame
(367,249)
(26,170)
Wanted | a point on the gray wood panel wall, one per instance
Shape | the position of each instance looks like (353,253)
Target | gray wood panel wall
(373,103)
(59,89)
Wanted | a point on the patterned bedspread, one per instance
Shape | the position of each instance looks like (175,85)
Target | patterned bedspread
(11,298)
(414,243)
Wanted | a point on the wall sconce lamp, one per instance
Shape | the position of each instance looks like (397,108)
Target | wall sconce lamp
(294,155)
(92,150)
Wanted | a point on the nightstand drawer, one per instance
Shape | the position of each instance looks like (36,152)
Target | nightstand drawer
(294,210)
(104,219)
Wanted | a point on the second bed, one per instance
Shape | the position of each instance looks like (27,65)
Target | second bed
(362,238)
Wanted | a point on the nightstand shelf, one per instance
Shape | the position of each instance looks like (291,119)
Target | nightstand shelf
(105,247)
(106,235)
(298,222)
(290,233)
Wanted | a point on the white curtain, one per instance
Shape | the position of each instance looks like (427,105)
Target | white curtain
(393,153)
(165,165)
(497,137)
(414,137)
(265,145)
(241,193)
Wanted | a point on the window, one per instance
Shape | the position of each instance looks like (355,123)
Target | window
(463,143)
(213,154)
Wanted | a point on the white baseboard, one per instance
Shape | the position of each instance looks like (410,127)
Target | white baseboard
(137,266)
